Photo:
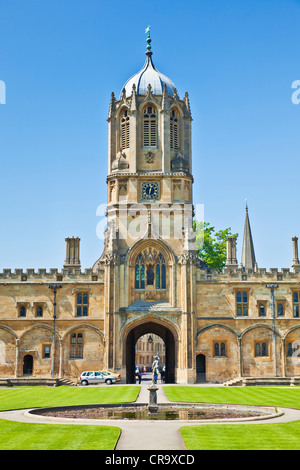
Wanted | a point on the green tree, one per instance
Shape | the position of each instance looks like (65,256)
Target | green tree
(212,244)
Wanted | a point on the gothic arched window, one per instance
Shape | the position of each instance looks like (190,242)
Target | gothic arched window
(140,272)
(150,127)
(125,129)
(174,130)
(160,272)
(150,272)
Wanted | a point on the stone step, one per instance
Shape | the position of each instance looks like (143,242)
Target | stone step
(32,381)
(256,381)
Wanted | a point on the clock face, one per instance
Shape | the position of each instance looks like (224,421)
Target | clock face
(150,190)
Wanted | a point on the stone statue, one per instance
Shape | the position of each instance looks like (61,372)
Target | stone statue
(155,369)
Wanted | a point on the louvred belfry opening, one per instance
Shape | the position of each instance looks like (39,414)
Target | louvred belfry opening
(125,129)
(150,126)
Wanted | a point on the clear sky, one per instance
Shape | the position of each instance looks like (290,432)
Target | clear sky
(61,59)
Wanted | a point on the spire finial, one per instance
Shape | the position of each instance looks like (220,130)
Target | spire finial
(248,255)
(147,30)
(246,205)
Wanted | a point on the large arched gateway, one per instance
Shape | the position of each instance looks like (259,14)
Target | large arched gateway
(170,348)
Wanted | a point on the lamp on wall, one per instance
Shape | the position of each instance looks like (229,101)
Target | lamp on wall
(150,339)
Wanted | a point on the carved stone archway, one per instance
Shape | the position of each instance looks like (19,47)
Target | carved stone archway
(150,325)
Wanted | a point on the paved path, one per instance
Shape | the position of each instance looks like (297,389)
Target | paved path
(150,435)
(161,435)
(144,435)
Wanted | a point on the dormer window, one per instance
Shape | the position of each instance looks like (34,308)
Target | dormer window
(174,130)
(150,127)
(125,129)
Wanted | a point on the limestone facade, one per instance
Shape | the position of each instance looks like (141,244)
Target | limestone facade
(149,279)
(147,348)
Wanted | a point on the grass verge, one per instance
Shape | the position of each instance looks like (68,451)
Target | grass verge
(35,397)
(27,436)
(280,436)
(260,396)
(31,436)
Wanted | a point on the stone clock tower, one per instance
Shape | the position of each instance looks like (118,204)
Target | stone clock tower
(149,255)
(237,326)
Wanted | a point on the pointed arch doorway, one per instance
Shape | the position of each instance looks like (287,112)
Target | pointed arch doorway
(201,368)
(157,329)
(27,364)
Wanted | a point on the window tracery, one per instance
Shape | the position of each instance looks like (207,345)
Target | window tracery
(150,270)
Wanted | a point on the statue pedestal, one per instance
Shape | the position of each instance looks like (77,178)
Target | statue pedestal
(152,406)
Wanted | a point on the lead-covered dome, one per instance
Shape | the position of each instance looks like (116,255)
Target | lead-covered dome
(149,75)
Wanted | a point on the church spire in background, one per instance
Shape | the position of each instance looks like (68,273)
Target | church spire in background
(248,260)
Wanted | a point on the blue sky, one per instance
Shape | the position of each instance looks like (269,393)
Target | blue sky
(60,61)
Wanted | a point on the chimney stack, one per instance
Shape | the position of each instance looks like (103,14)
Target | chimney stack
(72,253)
(295,263)
(231,260)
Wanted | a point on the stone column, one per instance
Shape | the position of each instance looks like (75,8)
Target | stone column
(184,305)
(17,358)
(184,323)
(116,308)
(283,357)
(61,369)
(240,356)
(173,270)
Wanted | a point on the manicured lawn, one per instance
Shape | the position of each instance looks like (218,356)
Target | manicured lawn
(268,396)
(25,436)
(281,436)
(35,397)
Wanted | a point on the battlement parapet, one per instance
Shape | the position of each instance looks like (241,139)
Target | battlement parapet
(251,275)
(41,275)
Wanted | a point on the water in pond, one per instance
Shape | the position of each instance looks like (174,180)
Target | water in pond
(142,413)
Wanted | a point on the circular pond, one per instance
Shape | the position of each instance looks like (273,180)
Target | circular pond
(186,412)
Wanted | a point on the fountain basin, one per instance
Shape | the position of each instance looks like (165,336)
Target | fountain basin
(198,412)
